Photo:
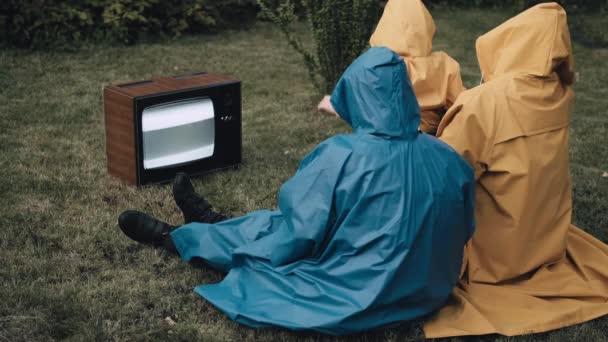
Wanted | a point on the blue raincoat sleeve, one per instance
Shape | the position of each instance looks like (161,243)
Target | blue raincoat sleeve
(294,231)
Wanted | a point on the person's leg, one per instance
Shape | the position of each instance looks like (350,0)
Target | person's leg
(146,229)
(194,207)
(213,238)
(212,243)
(216,243)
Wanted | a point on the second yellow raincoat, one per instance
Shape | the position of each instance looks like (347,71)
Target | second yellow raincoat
(407,28)
(527,269)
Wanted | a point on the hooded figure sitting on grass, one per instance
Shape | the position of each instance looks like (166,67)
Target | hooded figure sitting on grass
(369,233)
(527,269)
(407,28)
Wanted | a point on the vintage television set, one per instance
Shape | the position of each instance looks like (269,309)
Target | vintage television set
(157,127)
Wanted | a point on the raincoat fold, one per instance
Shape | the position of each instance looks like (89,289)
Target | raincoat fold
(407,28)
(369,232)
(527,268)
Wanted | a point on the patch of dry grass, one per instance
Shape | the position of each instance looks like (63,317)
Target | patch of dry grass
(67,273)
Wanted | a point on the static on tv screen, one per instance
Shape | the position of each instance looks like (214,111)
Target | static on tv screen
(177,133)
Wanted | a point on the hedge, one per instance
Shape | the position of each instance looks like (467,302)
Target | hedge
(57,23)
(569,5)
(67,23)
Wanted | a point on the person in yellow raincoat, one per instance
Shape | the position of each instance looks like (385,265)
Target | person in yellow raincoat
(407,28)
(527,268)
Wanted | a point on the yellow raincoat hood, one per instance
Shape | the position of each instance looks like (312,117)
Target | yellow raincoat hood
(407,28)
(535,43)
(527,269)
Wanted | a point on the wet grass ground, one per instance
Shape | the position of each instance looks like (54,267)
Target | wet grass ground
(66,272)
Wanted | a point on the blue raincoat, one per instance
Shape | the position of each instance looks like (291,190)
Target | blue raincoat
(370,231)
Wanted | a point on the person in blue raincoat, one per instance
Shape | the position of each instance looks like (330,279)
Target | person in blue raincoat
(370,230)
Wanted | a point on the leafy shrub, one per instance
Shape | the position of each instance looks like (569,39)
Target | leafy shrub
(234,13)
(35,21)
(57,23)
(340,31)
(123,19)
(569,5)
(274,5)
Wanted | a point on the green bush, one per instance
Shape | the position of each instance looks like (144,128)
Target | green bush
(569,5)
(56,23)
(35,22)
(340,31)
(273,5)
(234,13)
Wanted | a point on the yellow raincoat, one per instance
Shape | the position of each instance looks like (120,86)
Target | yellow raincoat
(527,269)
(407,28)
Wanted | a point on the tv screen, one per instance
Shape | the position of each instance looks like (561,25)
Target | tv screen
(177,133)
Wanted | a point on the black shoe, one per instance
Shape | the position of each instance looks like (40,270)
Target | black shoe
(194,207)
(146,229)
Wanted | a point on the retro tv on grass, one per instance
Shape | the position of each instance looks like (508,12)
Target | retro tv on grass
(156,128)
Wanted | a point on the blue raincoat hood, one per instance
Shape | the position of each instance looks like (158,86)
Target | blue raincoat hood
(375,96)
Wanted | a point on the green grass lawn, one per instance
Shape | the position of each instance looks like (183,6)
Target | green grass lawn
(66,271)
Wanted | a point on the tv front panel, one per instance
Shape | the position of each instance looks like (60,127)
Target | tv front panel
(188,123)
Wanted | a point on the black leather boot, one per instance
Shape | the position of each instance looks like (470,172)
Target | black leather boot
(194,207)
(146,229)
